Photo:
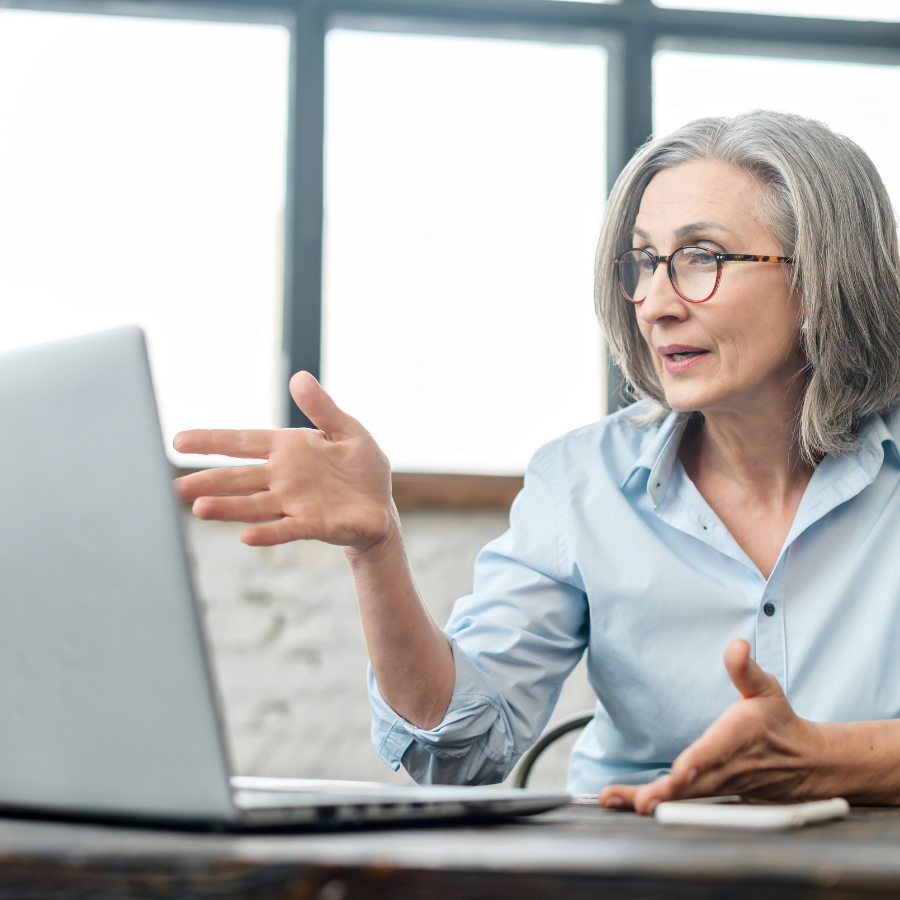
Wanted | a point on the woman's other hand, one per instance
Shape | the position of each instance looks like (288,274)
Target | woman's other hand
(332,485)
(758,748)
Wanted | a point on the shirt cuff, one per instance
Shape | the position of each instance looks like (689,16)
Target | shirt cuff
(474,715)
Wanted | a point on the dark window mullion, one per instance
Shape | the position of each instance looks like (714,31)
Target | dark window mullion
(629,125)
(304,213)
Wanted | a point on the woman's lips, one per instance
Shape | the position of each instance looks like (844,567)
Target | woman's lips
(678,357)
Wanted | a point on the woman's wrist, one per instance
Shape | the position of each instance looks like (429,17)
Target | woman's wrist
(410,655)
(858,760)
(383,550)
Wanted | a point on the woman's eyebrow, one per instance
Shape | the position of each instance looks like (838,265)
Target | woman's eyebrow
(694,227)
(685,230)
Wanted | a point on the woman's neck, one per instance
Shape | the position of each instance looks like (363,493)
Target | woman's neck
(754,442)
(763,454)
(750,471)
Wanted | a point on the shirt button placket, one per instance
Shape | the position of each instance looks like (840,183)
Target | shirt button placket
(770,638)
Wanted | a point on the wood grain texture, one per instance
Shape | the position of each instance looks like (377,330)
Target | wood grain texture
(575,853)
(427,491)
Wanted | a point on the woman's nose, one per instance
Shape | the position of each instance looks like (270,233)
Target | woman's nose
(661,301)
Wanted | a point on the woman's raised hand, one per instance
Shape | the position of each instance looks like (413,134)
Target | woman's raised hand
(331,485)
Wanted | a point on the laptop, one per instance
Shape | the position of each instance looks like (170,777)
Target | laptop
(107,697)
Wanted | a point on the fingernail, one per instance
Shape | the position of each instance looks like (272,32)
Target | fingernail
(653,804)
(692,776)
(613,803)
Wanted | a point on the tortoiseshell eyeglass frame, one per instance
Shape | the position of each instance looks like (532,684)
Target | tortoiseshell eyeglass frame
(720,259)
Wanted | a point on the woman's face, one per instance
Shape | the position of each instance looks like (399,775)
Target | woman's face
(740,350)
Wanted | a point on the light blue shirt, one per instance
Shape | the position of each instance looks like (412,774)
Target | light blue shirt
(612,550)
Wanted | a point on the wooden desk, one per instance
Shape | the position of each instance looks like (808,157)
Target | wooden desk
(573,853)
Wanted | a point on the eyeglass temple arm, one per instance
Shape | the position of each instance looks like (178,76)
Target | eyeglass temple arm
(745,257)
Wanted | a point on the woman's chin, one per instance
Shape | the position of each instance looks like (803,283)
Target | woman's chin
(688,401)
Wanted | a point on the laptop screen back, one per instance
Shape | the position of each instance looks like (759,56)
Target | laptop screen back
(106,698)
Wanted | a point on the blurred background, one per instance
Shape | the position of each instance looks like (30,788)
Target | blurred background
(403,199)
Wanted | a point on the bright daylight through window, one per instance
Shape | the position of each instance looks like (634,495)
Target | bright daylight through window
(849,97)
(142,180)
(465,182)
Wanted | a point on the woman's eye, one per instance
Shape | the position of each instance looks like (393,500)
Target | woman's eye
(697,257)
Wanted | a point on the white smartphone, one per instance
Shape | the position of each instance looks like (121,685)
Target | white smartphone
(729,812)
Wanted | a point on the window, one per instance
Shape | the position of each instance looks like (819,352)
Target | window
(464,192)
(849,97)
(443,169)
(142,179)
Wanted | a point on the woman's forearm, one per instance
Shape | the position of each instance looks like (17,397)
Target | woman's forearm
(860,761)
(409,653)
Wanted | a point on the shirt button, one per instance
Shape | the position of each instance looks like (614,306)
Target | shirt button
(769,609)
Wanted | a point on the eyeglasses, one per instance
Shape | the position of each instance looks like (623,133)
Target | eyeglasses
(695,272)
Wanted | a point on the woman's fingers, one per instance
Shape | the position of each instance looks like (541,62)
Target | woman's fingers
(740,727)
(260,507)
(698,769)
(642,798)
(649,796)
(746,675)
(750,741)
(281,532)
(618,796)
(331,484)
(321,410)
(231,481)
(239,443)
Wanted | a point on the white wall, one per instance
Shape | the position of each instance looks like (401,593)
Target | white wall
(289,651)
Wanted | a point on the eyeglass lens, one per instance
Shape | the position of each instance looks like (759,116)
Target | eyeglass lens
(694,270)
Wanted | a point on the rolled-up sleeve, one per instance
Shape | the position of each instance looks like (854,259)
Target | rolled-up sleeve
(514,640)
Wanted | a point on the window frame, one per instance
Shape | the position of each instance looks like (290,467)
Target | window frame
(631,31)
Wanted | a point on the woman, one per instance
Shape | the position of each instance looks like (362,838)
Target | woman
(748,279)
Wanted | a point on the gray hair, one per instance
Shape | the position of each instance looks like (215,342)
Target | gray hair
(825,203)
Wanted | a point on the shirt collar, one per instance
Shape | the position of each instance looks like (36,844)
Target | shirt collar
(840,477)
(659,455)
(873,435)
